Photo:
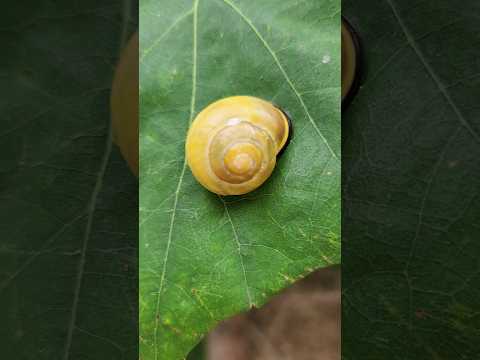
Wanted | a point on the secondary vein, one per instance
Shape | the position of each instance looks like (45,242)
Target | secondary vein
(165,33)
(431,72)
(239,249)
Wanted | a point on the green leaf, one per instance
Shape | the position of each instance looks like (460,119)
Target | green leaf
(412,216)
(68,203)
(202,257)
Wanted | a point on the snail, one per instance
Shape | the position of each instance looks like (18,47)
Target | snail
(350,62)
(232,144)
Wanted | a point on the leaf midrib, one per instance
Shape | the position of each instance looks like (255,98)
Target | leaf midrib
(180,181)
(126,9)
(88,230)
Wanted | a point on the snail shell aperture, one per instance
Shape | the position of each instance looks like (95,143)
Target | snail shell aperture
(232,144)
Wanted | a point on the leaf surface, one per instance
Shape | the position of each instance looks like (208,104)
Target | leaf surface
(203,257)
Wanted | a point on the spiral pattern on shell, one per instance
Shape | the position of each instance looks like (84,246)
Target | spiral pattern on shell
(232,144)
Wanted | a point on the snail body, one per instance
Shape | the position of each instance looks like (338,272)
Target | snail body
(232,144)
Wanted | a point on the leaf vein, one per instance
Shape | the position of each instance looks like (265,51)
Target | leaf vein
(86,238)
(283,71)
(179,185)
(239,250)
(432,73)
(165,33)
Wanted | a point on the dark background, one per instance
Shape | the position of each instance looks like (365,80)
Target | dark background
(411,183)
(68,203)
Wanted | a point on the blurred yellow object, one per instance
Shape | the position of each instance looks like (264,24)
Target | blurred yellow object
(124,104)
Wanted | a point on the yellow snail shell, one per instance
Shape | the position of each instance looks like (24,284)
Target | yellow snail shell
(232,145)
